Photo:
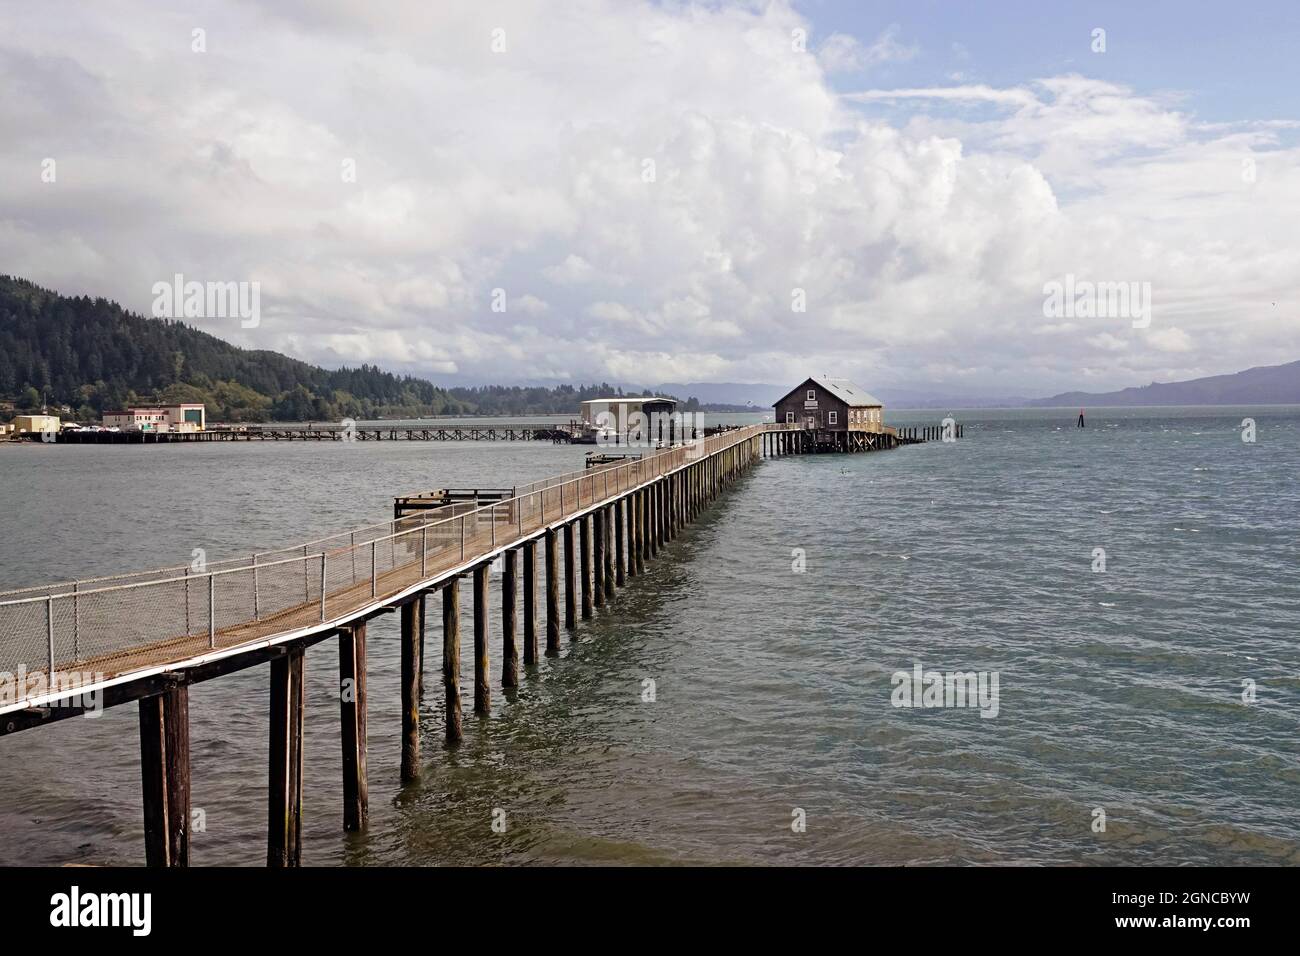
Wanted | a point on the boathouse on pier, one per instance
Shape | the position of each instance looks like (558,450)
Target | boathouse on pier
(835,414)
(622,421)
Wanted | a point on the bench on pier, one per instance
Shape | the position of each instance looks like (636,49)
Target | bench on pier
(431,500)
(597,459)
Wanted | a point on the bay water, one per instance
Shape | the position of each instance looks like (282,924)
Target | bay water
(748,682)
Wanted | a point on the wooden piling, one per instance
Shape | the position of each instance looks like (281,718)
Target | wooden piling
(652,520)
(552,595)
(352,720)
(165,776)
(637,516)
(509,599)
(648,502)
(584,552)
(284,790)
(420,622)
(482,663)
(598,562)
(530,603)
(607,524)
(410,666)
(665,511)
(451,659)
(620,535)
(570,579)
(670,507)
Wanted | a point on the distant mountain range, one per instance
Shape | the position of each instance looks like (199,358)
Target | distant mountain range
(1263,385)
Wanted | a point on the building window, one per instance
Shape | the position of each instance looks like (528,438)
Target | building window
(831,418)
(812,395)
(789,418)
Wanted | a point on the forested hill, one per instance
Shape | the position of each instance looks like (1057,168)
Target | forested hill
(90,354)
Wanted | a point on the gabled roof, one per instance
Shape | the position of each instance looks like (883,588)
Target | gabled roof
(842,389)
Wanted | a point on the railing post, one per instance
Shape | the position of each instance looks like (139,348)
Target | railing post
(49,634)
(462,537)
(322,585)
(492,516)
(187,602)
(424,550)
(257,615)
(374,576)
(76,621)
(212,610)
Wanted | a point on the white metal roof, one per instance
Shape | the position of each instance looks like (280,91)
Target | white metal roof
(624,400)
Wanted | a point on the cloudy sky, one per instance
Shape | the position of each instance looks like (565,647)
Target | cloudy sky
(655,188)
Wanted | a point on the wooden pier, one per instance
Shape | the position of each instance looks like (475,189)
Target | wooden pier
(553,432)
(147,637)
(572,432)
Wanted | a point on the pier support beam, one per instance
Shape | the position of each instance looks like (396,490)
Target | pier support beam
(420,621)
(620,537)
(607,523)
(410,657)
(598,563)
(648,521)
(509,644)
(570,579)
(482,662)
(661,512)
(652,519)
(284,792)
(674,505)
(352,720)
(584,548)
(666,499)
(530,603)
(165,776)
(629,504)
(451,659)
(552,596)
(679,500)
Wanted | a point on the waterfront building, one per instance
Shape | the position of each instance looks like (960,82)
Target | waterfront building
(831,409)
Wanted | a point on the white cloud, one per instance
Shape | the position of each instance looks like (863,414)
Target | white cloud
(921,223)
(1170,340)
(842,53)
(574,270)
(531,305)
